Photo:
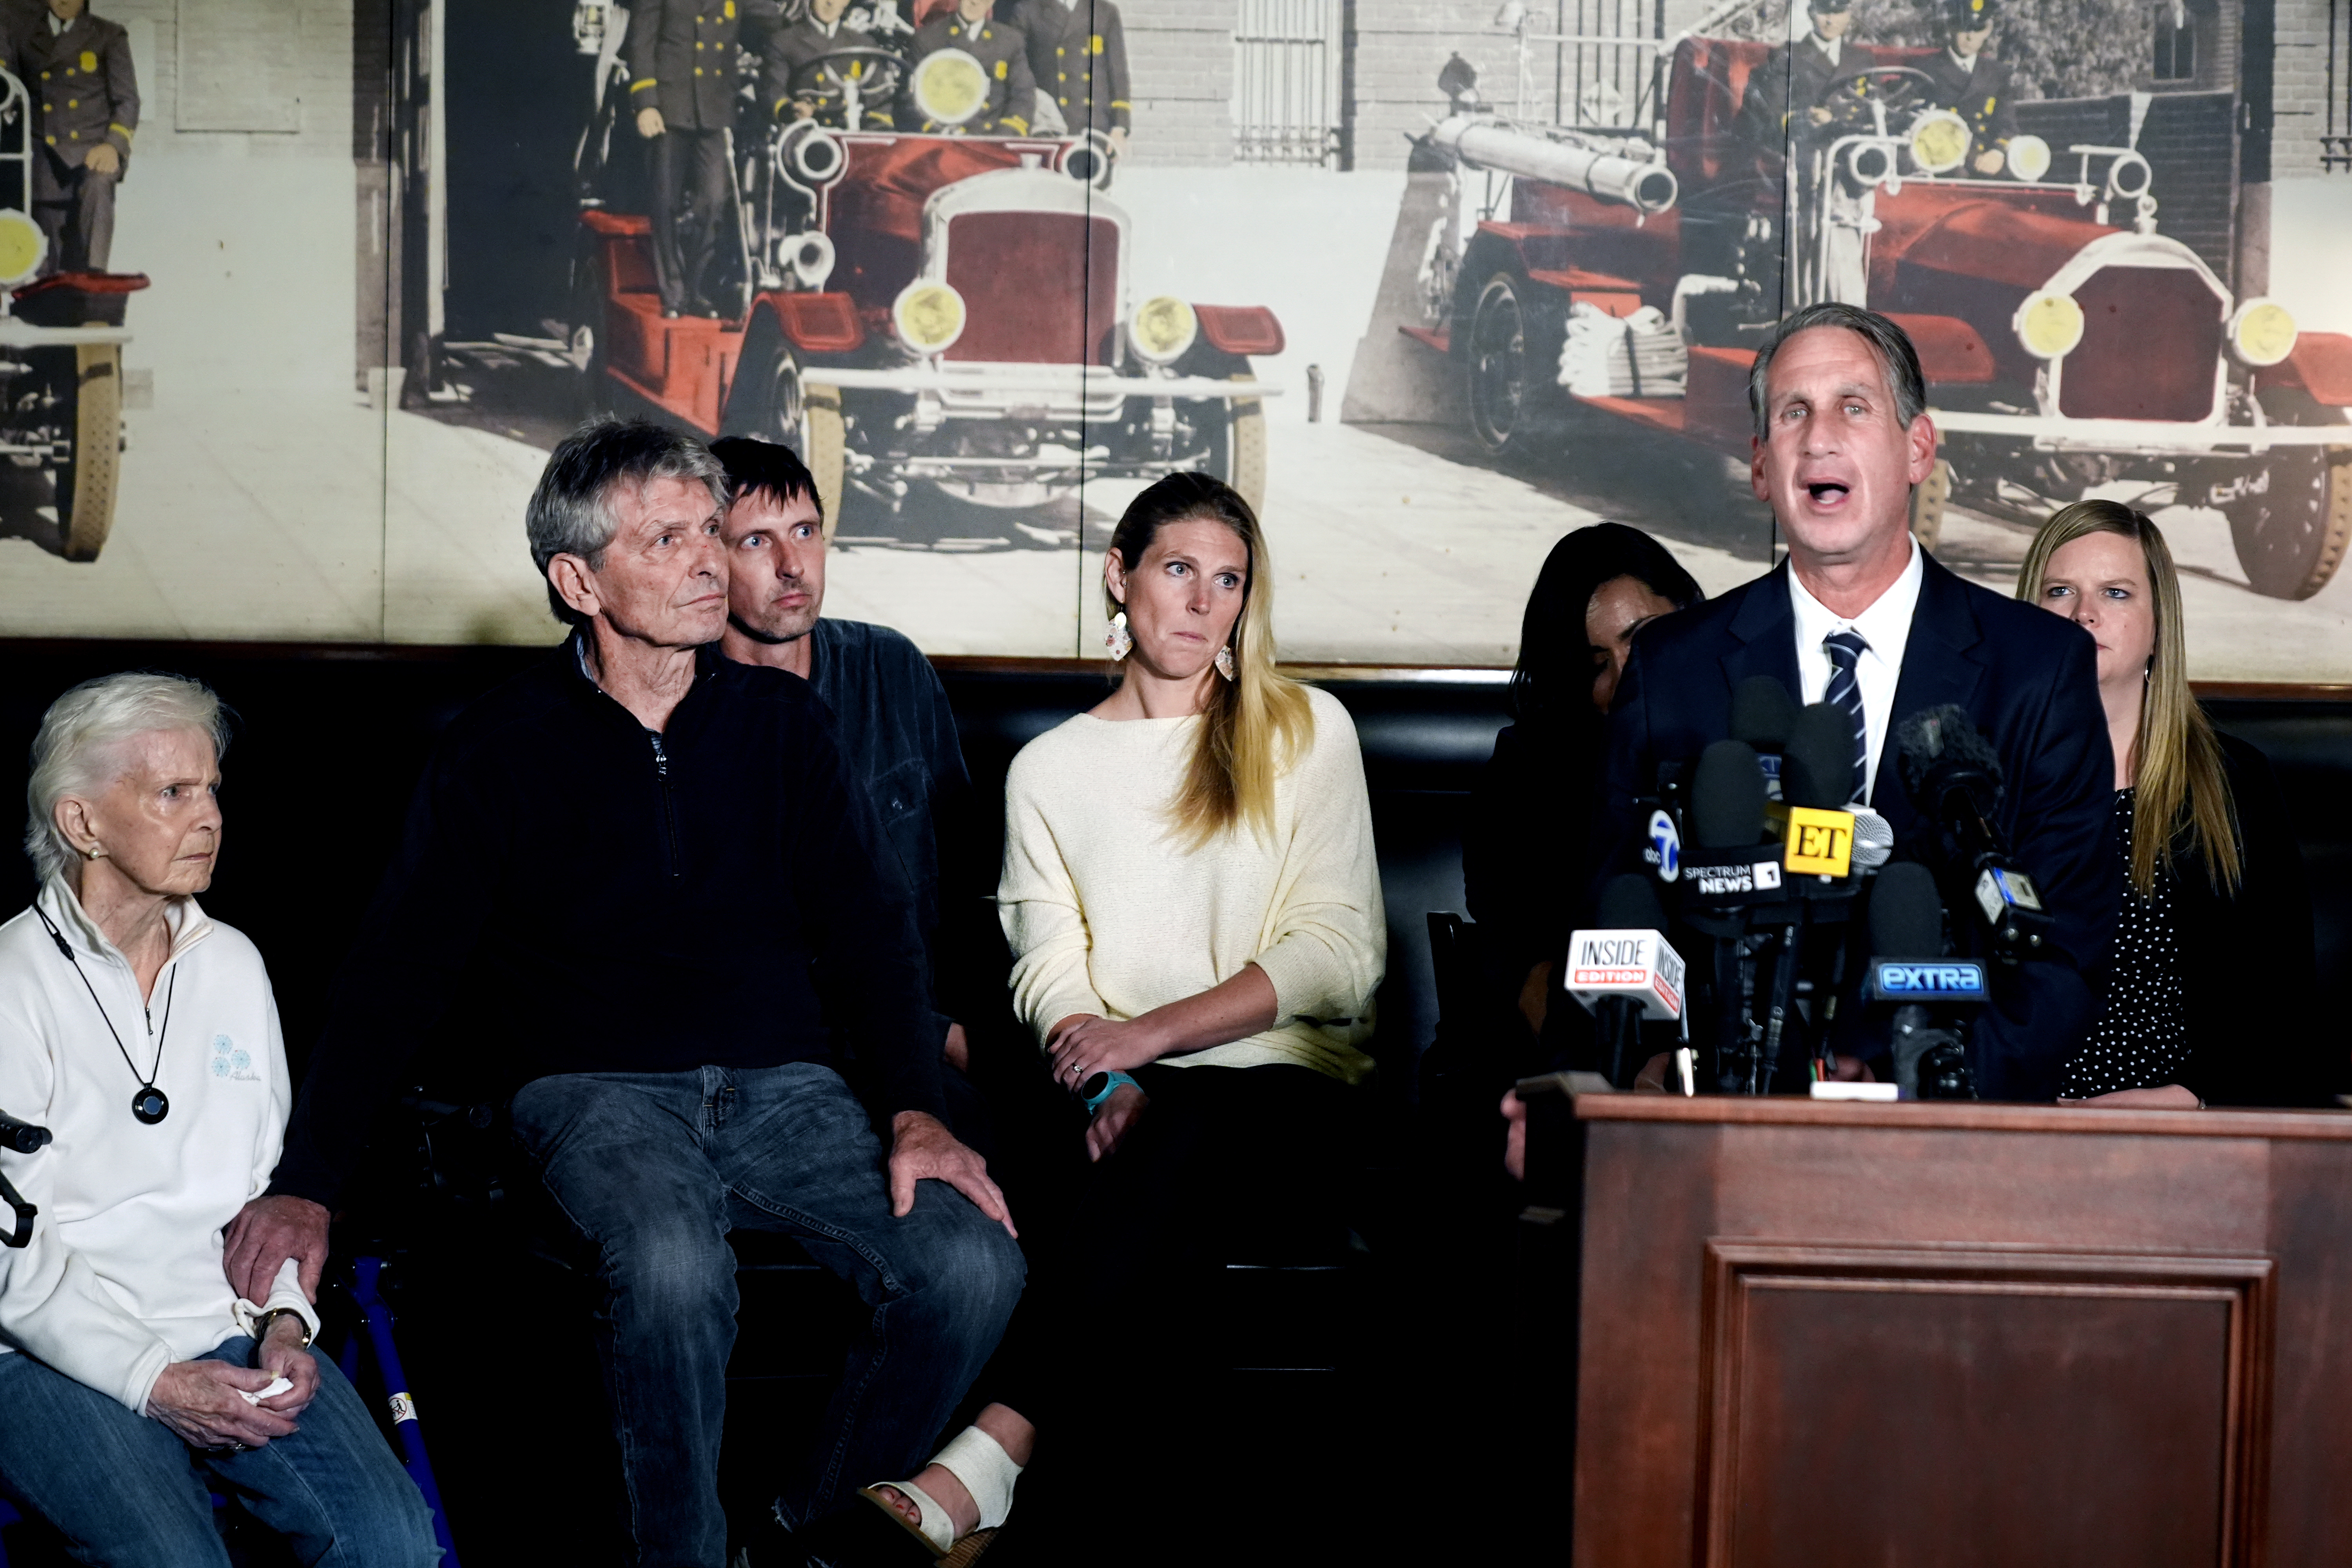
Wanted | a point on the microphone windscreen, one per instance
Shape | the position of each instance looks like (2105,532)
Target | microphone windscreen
(1629,903)
(1935,735)
(1817,768)
(1762,712)
(1907,917)
(1727,797)
(1874,837)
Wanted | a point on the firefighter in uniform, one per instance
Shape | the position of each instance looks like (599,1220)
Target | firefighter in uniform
(682,84)
(1002,54)
(1973,85)
(1077,52)
(1786,95)
(86,110)
(820,33)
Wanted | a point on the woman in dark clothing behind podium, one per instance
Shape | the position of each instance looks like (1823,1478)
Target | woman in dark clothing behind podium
(1526,851)
(2217,911)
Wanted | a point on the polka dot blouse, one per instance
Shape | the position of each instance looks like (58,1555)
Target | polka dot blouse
(2141,1040)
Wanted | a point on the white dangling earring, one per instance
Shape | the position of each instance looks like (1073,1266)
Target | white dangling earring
(1226,662)
(1117,639)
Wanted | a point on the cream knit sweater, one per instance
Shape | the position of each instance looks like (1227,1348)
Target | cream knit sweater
(1108,914)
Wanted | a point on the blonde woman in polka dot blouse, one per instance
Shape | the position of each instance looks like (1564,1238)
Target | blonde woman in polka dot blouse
(2212,873)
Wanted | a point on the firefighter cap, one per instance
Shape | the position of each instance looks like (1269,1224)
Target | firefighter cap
(1831,7)
(1969,16)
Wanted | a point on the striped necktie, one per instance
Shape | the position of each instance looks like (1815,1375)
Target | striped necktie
(1845,691)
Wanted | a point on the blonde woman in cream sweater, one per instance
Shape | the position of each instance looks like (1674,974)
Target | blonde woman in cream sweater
(1193,904)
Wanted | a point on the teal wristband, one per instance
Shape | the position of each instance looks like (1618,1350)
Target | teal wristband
(1110,1082)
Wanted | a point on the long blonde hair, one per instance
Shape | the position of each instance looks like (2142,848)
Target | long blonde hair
(2182,790)
(1256,724)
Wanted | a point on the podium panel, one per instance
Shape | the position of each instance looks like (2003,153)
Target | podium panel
(1960,1336)
(1975,1401)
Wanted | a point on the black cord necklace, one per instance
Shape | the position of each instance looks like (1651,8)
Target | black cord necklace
(151,1104)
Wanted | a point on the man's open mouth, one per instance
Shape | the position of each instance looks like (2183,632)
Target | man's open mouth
(1826,492)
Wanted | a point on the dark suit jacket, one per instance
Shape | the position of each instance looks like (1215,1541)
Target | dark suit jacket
(681,57)
(2028,681)
(1794,78)
(1003,53)
(85,90)
(1980,97)
(788,48)
(1079,54)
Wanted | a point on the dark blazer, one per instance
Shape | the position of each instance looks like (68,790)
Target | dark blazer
(1979,96)
(681,57)
(1003,53)
(1791,79)
(2028,681)
(2254,1042)
(1079,54)
(84,87)
(788,48)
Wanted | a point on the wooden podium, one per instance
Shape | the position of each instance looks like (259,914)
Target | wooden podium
(1935,1334)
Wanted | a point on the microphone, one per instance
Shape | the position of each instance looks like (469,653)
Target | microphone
(1816,776)
(1874,837)
(1727,797)
(1909,969)
(1624,971)
(1954,775)
(22,1136)
(1762,714)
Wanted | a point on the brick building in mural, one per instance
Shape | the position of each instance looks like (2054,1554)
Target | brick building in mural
(1189,56)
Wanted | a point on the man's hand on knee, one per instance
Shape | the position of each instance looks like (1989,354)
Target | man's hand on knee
(922,1149)
(265,1234)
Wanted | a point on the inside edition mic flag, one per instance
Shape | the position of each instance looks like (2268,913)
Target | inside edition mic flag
(1624,971)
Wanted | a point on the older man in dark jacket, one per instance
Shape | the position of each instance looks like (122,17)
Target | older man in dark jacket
(86,110)
(641,887)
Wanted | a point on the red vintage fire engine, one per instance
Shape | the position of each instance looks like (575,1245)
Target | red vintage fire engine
(2067,342)
(949,312)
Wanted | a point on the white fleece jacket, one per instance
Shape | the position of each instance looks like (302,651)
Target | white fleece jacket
(1107,914)
(123,1275)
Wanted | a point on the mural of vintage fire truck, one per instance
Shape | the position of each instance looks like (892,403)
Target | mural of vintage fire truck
(2069,342)
(932,315)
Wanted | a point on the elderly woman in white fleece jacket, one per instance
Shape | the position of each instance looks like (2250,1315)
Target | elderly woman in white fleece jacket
(145,1037)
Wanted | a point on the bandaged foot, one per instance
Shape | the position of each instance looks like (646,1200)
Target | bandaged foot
(966,1488)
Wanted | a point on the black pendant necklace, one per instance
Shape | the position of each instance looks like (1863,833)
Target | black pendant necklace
(151,1104)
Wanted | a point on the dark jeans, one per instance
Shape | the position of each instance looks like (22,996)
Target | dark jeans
(654,1169)
(125,1493)
(690,203)
(1225,1166)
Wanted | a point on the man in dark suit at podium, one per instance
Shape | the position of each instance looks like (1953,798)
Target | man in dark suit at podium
(1860,615)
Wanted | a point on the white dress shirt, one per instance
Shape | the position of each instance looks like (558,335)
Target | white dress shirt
(1886,627)
(1833,47)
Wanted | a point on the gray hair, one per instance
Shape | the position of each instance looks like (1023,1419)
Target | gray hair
(570,512)
(1889,344)
(79,729)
